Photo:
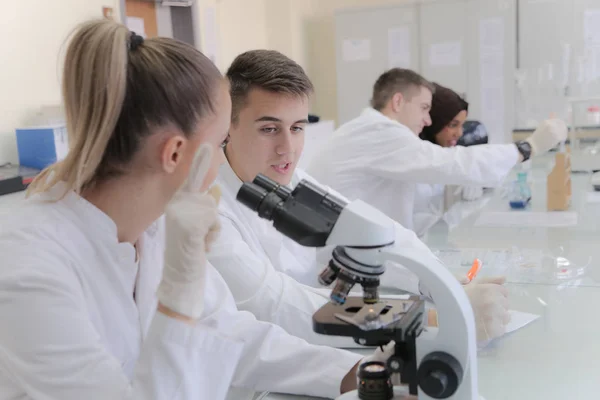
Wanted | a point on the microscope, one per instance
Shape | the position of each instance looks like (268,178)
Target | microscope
(432,363)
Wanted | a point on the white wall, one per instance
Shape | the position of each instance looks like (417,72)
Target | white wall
(33,33)
(242,26)
(301,29)
(318,30)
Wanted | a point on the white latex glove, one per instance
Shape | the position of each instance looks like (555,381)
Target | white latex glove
(489,299)
(471,193)
(548,134)
(191,225)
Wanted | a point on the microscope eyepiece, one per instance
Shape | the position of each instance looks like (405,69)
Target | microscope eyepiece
(271,186)
(306,215)
(251,195)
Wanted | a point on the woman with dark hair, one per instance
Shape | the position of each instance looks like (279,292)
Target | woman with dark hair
(448,113)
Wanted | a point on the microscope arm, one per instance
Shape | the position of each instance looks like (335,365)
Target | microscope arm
(446,356)
(456,323)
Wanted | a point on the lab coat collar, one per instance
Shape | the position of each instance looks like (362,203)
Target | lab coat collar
(229,178)
(91,216)
(270,240)
(378,117)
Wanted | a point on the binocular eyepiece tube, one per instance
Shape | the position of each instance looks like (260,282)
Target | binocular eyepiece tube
(307,215)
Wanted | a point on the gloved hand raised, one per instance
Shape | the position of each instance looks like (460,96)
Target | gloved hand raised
(191,225)
(548,134)
(489,299)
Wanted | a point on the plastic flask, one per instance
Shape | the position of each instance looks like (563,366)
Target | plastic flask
(520,192)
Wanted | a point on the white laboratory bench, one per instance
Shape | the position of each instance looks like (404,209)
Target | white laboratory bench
(556,357)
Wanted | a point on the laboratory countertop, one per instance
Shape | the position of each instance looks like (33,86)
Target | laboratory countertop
(552,272)
(557,356)
(585,132)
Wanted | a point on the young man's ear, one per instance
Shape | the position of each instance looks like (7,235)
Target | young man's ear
(397,100)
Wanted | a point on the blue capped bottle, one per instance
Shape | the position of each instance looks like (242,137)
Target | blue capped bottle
(520,192)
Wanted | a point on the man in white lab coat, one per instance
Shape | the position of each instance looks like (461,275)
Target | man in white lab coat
(269,274)
(378,157)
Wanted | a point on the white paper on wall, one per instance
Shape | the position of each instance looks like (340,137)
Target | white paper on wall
(136,25)
(210,33)
(491,67)
(356,50)
(591,27)
(399,47)
(447,54)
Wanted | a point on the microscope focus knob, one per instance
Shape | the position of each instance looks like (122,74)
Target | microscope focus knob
(439,375)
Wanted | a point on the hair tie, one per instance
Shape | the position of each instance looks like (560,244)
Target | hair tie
(135,41)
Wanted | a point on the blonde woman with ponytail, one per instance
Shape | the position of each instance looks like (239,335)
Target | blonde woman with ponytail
(101,296)
(79,270)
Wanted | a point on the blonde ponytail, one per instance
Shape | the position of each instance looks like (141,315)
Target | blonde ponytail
(117,90)
(94,86)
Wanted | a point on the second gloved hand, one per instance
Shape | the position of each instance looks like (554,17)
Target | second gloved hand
(489,299)
(191,224)
(548,134)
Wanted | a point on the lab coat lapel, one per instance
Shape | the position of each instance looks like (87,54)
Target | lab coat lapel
(268,238)
(151,251)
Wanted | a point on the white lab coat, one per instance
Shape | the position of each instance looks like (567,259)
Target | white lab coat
(275,278)
(72,329)
(429,206)
(380,161)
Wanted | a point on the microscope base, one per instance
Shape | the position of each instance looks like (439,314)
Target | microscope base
(400,393)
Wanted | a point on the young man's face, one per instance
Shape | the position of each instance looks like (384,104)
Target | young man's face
(268,136)
(414,111)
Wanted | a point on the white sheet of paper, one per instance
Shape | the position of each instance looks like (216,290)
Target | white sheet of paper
(526,219)
(136,25)
(491,70)
(519,319)
(399,47)
(447,54)
(210,33)
(591,26)
(356,50)
(593,197)
(61,143)
(592,62)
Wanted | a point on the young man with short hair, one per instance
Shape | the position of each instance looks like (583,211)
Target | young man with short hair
(269,274)
(379,158)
